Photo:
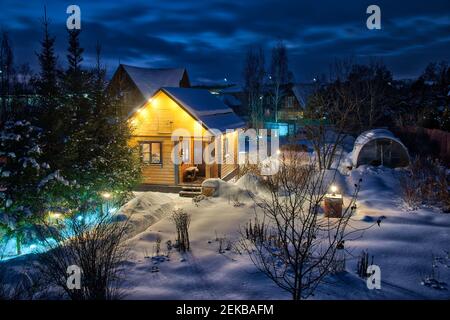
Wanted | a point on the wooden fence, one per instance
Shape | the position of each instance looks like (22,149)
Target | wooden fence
(432,142)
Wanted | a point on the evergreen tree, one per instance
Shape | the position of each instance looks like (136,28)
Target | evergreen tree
(97,152)
(47,83)
(23,176)
(116,164)
(6,74)
(53,117)
(106,162)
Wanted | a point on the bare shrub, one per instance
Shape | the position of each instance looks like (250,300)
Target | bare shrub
(256,231)
(221,245)
(235,201)
(433,279)
(363,264)
(97,248)
(426,182)
(296,246)
(247,168)
(182,221)
(158,245)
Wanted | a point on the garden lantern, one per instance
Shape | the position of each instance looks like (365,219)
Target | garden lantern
(333,203)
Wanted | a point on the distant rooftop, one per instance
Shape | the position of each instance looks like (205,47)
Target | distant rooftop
(150,80)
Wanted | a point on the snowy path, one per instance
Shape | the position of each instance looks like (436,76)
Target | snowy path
(402,247)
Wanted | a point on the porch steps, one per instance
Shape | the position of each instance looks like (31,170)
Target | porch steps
(190,192)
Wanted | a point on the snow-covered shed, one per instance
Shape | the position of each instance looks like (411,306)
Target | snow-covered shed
(379,147)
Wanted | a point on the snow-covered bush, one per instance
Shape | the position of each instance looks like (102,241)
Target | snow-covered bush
(426,182)
(97,248)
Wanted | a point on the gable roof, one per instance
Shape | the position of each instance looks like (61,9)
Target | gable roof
(149,81)
(302,93)
(205,107)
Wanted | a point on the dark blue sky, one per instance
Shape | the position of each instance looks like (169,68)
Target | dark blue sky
(210,37)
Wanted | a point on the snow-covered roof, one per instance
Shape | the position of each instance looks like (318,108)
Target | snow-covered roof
(150,80)
(302,92)
(371,135)
(232,89)
(207,108)
(230,100)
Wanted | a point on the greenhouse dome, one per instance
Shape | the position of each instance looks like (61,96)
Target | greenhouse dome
(379,147)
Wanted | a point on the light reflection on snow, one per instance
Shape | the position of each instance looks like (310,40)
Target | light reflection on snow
(8,247)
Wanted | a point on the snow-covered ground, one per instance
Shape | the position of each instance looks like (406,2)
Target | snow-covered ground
(403,246)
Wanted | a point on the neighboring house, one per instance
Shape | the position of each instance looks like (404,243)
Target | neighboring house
(233,96)
(290,113)
(163,118)
(136,85)
(294,102)
(294,98)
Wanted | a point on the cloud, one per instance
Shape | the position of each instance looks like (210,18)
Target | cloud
(210,37)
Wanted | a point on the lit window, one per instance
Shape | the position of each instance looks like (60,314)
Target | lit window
(151,152)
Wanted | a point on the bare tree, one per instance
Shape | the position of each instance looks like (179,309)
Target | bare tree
(332,109)
(254,72)
(97,248)
(280,75)
(295,246)
(355,100)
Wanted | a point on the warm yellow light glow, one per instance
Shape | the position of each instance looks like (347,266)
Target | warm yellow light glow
(106,195)
(333,189)
(278,152)
(142,111)
(55,215)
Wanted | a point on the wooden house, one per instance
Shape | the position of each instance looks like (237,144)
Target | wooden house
(174,125)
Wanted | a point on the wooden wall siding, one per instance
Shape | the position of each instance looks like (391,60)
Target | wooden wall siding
(158,173)
(161,116)
(226,168)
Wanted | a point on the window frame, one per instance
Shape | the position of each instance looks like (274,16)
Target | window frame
(141,153)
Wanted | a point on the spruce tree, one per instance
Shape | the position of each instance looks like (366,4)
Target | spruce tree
(53,117)
(47,84)
(6,74)
(23,178)
(115,162)
(97,146)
